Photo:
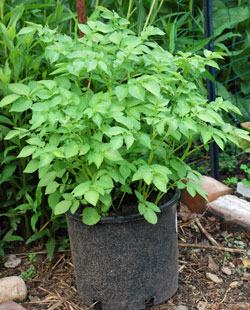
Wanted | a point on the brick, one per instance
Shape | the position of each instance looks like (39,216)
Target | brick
(212,187)
(243,190)
(232,209)
(11,305)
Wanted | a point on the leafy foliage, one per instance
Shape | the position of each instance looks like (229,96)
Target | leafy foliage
(119,116)
(21,59)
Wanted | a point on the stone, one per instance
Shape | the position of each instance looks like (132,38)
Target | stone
(12,288)
(234,284)
(244,190)
(11,305)
(202,305)
(213,277)
(212,187)
(12,261)
(246,262)
(233,209)
(181,307)
(184,213)
(226,270)
(212,264)
(246,276)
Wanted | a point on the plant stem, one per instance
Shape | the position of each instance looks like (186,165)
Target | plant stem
(159,196)
(129,8)
(149,15)
(197,148)
(121,200)
(187,149)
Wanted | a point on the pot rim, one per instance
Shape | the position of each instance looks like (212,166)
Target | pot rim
(128,218)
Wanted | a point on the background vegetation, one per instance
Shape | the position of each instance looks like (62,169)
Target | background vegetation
(25,213)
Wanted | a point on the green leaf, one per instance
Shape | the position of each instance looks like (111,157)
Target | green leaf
(150,216)
(113,131)
(84,29)
(116,142)
(172,37)
(142,208)
(11,134)
(152,206)
(74,206)
(6,120)
(206,117)
(21,106)
(115,37)
(26,30)
(53,199)
(37,235)
(219,141)
(32,166)
(139,174)
(125,171)
(129,140)
(136,91)
(90,216)
(92,197)
(113,155)
(145,140)
(81,189)
(97,158)
(34,218)
(160,182)
(35,141)
(27,151)
(121,92)
(205,134)
(84,149)
(190,188)
(179,167)
(19,89)
(50,247)
(45,159)
(91,65)
(147,177)
(62,207)
(51,187)
(153,88)
(125,121)
(8,99)
(71,149)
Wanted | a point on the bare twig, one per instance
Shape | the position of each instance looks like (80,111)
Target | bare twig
(41,252)
(221,302)
(207,234)
(211,247)
(91,307)
(181,268)
(59,260)
(61,301)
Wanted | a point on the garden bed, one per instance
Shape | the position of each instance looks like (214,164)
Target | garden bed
(52,284)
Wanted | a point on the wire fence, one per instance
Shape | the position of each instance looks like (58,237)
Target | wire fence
(226,24)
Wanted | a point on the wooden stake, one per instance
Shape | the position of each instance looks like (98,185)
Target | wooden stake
(81,14)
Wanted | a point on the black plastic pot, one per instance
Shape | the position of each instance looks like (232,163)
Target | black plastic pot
(125,262)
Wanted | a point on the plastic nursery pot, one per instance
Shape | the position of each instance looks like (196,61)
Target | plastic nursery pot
(126,263)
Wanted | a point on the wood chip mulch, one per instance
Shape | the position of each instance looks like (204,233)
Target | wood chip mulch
(205,246)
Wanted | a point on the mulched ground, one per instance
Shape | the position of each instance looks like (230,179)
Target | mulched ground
(52,285)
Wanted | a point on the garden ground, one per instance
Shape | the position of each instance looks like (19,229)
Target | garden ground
(51,285)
